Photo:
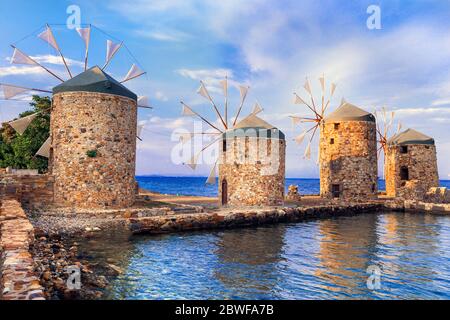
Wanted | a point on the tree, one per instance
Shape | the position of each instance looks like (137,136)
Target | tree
(18,151)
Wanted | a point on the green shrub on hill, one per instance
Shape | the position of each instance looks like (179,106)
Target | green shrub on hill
(18,151)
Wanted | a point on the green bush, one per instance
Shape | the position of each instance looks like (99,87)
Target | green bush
(91,153)
(18,151)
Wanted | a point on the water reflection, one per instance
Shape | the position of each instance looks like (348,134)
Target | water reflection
(346,250)
(324,259)
(248,260)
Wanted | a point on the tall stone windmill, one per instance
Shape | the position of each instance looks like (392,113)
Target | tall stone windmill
(251,153)
(93,131)
(347,148)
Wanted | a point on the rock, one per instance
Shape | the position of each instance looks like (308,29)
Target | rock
(127,214)
(47,275)
(116,270)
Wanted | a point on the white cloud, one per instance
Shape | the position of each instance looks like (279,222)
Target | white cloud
(161,96)
(57,60)
(405,65)
(162,34)
(22,70)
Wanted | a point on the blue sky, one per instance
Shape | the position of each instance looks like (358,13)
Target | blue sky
(269,45)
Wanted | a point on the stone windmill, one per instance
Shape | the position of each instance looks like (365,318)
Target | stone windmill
(347,148)
(251,157)
(93,128)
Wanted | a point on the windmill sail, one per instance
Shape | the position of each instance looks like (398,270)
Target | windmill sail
(298,100)
(333,88)
(187,111)
(19,57)
(20,125)
(133,73)
(296,120)
(10,91)
(257,108)
(300,138)
(47,36)
(85,34)
(203,91)
(308,152)
(243,91)
(44,150)
(143,102)
(212,175)
(111,50)
(307,86)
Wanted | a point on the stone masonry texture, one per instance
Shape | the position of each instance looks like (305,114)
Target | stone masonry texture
(348,160)
(18,280)
(421,162)
(34,190)
(254,171)
(104,127)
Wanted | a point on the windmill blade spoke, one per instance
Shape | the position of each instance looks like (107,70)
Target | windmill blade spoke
(212,175)
(204,93)
(243,91)
(198,115)
(21,58)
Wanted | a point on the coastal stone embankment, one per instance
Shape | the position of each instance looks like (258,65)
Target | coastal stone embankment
(243,217)
(434,208)
(17,278)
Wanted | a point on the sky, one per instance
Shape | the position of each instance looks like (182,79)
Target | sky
(271,46)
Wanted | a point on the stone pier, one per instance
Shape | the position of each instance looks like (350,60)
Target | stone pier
(17,278)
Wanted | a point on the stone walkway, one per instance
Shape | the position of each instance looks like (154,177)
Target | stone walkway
(243,217)
(17,278)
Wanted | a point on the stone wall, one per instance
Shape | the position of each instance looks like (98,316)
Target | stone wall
(243,218)
(103,126)
(422,167)
(348,159)
(18,280)
(36,190)
(438,195)
(254,171)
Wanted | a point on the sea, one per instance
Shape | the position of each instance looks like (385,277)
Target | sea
(196,186)
(382,255)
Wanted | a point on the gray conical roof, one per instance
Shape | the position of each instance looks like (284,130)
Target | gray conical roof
(95,80)
(252,121)
(252,126)
(349,112)
(411,136)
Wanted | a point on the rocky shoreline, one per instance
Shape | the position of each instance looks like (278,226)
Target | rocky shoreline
(54,254)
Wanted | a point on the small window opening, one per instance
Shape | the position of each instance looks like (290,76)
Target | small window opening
(403,149)
(404,173)
(224,145)
(332,141)
(336,190)
(336,126)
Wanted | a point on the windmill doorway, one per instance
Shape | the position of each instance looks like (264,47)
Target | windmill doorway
(224,192)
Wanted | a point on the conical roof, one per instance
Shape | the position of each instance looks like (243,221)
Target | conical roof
(349,112)
(95,80)
(411,136)
(252,121)
(253,126)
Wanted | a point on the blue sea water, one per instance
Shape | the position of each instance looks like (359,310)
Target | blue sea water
(195,186)
(319,259)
